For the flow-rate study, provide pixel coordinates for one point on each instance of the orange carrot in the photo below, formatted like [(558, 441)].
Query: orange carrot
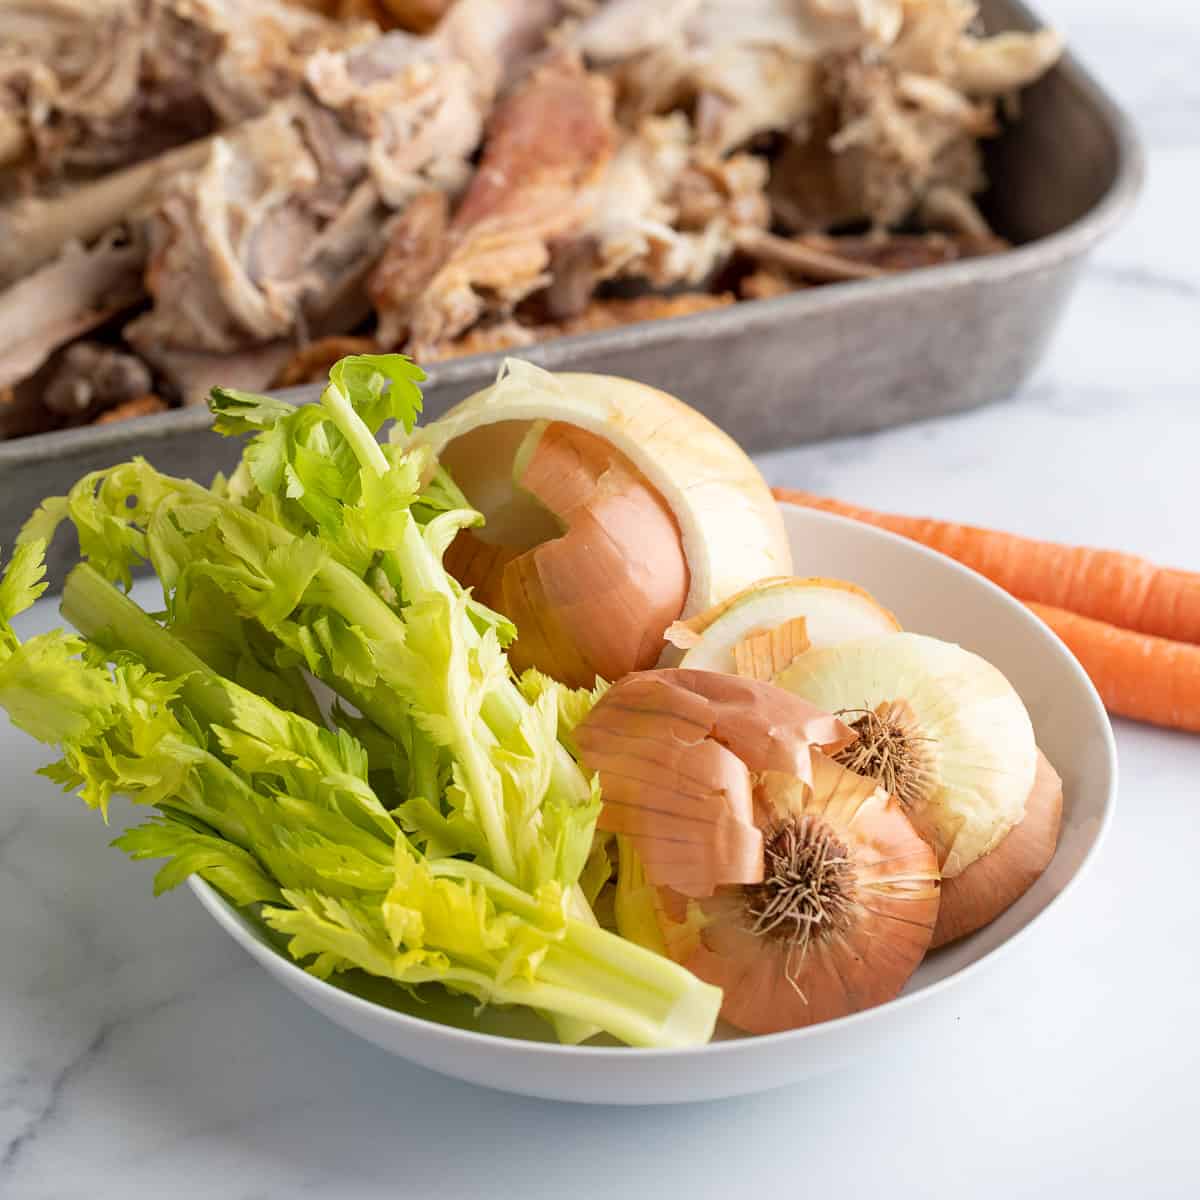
[(1139, 676), (1120, 589)]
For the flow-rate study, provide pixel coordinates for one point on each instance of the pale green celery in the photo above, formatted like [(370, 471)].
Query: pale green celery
[(110, 619), (428, 664), (338, 588), (361, 440), (423, 573), (601, 980), (589, 977), (268, 828), (356, 405)]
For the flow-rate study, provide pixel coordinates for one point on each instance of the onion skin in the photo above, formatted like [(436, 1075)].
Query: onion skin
[(678, 752), (1001, 877), (595, 601), (479, 565), (731, 527), (617, 578), (764, 654)]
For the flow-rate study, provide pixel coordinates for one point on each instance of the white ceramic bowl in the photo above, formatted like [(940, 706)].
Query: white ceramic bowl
[(929, 594)]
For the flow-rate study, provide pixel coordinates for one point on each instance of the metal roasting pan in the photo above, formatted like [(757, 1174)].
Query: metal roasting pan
[(838, 359)]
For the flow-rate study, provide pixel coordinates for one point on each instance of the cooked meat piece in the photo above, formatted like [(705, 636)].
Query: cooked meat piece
[(766, 283), (91, 377), (273, 237), (498, 38), (941, 39), (312, 362), (73, 82), (547, 145), (35, 229), (609, 314), (22, 412), (221, 236), (908, 251), (218, 58), (899, 134), (87, 85), (892, 148), (807, 190), (600, 314), (573, 278), (418, 244), (408, 110), (507, 334), (823, 259), (667, 210), (139, 406), (746, 66), (419, 16), (800, 256), (194, 373), (952, 211), (411, 122), (1001, 64), (77, 293), (253, 245)]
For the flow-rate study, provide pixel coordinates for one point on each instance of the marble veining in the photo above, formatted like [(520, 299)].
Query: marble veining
[(142, 1055)]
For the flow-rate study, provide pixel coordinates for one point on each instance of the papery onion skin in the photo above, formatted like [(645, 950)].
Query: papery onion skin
[(1001, 877), (767, 988), (480, 566), (678, 754), (594, 601), (612, 583), (764, 654), (731, 527)]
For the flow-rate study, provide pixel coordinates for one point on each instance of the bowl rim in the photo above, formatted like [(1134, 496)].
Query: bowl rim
[(228, 917)]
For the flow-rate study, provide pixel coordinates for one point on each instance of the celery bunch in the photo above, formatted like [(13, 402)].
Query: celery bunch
[(429, 826)]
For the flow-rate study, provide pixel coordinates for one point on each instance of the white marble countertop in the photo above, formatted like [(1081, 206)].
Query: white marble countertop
[(142, 1054)]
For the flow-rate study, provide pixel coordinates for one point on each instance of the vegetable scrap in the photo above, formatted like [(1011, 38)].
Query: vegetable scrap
[(525, 704), (802, 890)]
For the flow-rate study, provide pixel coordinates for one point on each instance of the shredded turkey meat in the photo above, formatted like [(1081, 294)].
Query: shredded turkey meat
[(67, 299), (547, 145), (273, 237), (313, 362), (898, 132), (746, 66), (667, 211), (211, 189), (817, 258), (86, 85), (598, 315), (419, 16)]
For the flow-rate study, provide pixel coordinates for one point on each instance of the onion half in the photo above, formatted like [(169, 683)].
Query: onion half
[(832, 611), (841, 921), (605, 500), (1002, 876), (800, 888), (967, 743)]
